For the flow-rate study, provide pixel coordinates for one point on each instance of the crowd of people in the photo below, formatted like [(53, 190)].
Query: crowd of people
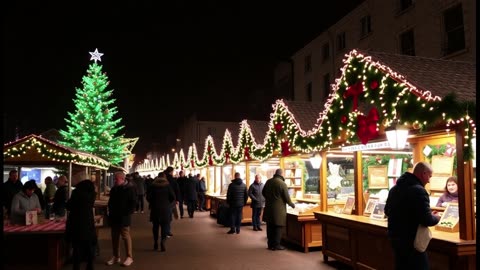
[(407, 206)]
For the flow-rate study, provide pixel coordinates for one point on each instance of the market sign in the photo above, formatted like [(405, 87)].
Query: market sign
[(368, 146)]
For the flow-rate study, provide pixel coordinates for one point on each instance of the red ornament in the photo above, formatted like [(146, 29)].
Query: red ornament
[(210, 161), (227, 157), (285, 148), (192, 163), (354, 91), (278, 127), (344, 119), (367, 126), (373, 85), (246, 153)]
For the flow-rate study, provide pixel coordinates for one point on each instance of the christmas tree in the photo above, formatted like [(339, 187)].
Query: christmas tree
[(92, 127)]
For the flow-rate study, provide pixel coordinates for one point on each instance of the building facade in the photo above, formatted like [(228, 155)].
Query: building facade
[(442, 29)]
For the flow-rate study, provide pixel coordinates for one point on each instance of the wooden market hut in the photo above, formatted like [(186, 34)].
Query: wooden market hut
[(34, 150)]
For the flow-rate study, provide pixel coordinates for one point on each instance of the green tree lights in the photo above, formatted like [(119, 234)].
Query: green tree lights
[(92, 127)]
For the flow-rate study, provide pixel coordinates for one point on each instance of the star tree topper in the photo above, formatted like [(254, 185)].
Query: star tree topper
[(96, 56)]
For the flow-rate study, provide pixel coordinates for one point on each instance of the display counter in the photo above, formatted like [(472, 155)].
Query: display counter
[(216, 201), (303, 230), (358, 241), (43, 243)]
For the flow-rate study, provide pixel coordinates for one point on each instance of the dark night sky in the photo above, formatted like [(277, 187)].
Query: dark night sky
[(163, 62)]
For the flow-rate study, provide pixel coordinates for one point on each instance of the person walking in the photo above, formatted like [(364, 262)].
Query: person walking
[(407, 206), (191, 195), (80, 227), (121, 205), (173, 183), (160, 197), (237, 197), (140, 191), (181, 180), (258, 202), (276, 196)]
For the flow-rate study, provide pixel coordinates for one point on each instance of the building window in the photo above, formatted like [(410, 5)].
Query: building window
[(308, 63), (326, 85), (454, 32), (404, 4), (407, 43), (308, 88), (341, 41), (326, 52), (366, 25)]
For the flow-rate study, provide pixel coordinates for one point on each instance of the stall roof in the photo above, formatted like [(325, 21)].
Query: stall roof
[(259, 130), (306, 113), (36, 150), (440, 77)]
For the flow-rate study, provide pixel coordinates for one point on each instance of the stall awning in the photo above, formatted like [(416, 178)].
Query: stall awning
[(36, 150)]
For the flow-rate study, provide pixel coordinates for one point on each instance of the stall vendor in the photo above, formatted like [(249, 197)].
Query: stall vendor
[(450, 194), (23, 201)]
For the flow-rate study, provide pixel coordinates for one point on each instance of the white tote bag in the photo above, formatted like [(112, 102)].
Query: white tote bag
[(422, 238)]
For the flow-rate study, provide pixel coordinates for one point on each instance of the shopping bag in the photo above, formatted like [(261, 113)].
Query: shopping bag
[(423, 237), (175, 211)]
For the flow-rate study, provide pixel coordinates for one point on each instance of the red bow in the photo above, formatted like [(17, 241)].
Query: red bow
[(285, 148), (354, 90), (247, 153), (278, 127), (210, 161), (367, 126)]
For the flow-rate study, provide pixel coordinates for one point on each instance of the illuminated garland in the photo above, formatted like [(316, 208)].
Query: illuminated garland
[(35, 143), (367, 96)]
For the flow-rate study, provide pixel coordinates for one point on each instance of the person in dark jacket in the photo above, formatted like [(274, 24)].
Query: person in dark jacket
[(80, 227), (160, 196), (191, 195), (181, 180), (276, 196), (121, 205), (258, 202), (237, 197), (10, 188), (408, 205), (61, 196), (202, 188)]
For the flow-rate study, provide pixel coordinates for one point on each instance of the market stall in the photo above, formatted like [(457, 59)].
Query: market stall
[(37, 152), (375, 93)]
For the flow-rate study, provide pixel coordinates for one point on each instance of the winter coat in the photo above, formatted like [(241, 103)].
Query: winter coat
[(80, 225), (160, 196), (191, 189), (21, 203), (121, 205), (49, 192), (202, 188), (60, 201), (255, 194), (139, 185), (237, 194), (181, 181), (276, 196), (408, 205), (10, 189), (173, 183)]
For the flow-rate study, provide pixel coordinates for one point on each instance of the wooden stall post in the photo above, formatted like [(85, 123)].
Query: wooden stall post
[(358, 182)]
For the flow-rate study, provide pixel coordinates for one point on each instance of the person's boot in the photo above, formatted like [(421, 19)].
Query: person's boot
[(155, 245), (162, 245)]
